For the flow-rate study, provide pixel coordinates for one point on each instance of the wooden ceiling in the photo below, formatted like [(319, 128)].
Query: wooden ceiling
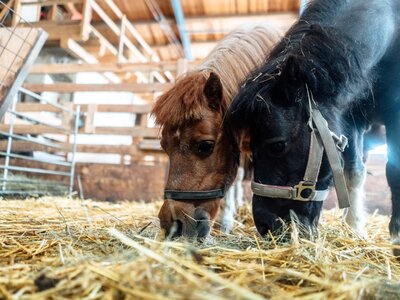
[(207, 21), (144, 31)]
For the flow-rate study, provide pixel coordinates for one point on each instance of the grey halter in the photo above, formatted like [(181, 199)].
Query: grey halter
[(321, 138)]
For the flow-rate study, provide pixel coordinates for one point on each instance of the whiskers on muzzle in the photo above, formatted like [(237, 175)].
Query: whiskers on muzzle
[(196, 227)]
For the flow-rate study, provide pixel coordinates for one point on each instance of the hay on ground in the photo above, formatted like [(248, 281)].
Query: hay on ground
[(57, 248)]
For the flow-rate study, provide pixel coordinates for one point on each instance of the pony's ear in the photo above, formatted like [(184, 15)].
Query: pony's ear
[(213, 91), (291, 71), (285, 89)]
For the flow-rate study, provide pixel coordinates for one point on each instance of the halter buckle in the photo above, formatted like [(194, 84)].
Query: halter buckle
[(302, 186), (340, 141)]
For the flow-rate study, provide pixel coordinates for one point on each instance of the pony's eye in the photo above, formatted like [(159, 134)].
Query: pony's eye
[(205, 148), (277, 148)]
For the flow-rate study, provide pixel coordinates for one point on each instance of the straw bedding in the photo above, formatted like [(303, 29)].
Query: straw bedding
[(57, 248)]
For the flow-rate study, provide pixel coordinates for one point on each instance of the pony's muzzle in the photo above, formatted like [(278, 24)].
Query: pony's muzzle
[(184, 220)]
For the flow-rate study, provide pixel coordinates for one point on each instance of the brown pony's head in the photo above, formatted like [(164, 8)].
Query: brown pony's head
[(201, 156)]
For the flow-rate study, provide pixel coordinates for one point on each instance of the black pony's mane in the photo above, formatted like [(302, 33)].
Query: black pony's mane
[(312, 53)]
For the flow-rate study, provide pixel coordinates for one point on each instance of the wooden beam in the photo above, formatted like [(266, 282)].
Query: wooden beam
[(58, 30), (23, 146), (51, 2), (104, 108), (115, 9), (31, 129), (86, 19), (121, 40), (37, 107), (17, 13), (114, 27), (19, 146), (136, 131), (140, 88), (78, 51), (106, 67)]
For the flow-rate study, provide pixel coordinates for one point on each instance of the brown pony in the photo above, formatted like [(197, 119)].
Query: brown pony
[(203, 161)]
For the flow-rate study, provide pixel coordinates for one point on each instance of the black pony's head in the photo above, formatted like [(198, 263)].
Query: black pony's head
[(273, 105)]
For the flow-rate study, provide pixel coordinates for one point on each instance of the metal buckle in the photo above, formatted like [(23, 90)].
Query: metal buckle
[(340, 141), (302, 186)]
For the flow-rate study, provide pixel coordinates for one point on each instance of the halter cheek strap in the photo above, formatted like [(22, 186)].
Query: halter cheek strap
[(194, 195), (321, 137)]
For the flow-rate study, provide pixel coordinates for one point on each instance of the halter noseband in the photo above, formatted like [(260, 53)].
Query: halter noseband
[(321, 137), (194, 195)]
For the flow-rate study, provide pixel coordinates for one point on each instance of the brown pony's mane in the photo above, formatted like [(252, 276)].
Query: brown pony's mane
[(232, 60)]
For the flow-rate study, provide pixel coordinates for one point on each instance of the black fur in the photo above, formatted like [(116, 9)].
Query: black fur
[(347, 54)]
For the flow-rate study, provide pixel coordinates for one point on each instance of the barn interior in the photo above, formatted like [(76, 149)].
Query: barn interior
[(84, 173)]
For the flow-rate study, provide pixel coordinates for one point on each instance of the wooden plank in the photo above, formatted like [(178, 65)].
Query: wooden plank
[(104, 41), (17, 12), (121, 40), (31, 129), (36, 107), (21, 146), (136, 131), (114, 27), (89, 120), (107, 67), (111, 108), (58, 30), (77, 50), (86, 19), (115, 9), (121, 87), (150, 145), (51, 2)]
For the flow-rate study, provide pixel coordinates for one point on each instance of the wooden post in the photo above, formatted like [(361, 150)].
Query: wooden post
[(66, 118), (53, 12), (17, 12), (89, 120), (86, 19), (121, 40)]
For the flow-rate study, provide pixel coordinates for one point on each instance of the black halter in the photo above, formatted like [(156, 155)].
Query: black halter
[(194, 195)]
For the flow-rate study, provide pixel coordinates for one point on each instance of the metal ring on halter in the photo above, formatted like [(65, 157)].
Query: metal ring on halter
[(194, 195)]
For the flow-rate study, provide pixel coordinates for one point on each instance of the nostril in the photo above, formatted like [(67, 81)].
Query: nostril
[(202, 222), (176, 229)]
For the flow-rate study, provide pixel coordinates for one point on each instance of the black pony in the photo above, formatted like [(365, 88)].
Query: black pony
[(342, 60)]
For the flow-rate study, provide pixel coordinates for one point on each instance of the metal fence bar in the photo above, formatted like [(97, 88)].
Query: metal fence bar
[(71, 178), (51, 162), (9, 143), (38, 182), (27, 193), (30, 139), (15, 70), (35, 121), (43, 100), (36, 170)]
